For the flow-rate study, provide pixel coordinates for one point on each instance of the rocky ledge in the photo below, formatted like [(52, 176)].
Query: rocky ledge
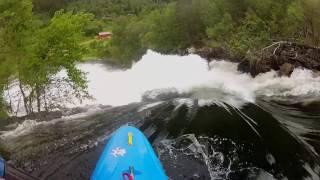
[(280, 56), (283, 57)]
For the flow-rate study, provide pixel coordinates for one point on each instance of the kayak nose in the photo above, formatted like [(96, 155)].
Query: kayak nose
[(128, 147)]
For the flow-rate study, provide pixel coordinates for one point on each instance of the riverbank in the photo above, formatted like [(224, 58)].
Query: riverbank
[(280, 56)]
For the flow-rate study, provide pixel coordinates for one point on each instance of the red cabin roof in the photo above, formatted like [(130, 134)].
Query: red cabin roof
[(105, 34)]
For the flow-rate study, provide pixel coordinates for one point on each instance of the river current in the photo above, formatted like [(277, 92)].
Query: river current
[(205, 121)]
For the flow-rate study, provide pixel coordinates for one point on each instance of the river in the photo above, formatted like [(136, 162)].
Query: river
[(205, 121)]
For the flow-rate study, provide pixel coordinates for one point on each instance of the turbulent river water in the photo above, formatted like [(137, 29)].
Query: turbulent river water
[(205, 121)]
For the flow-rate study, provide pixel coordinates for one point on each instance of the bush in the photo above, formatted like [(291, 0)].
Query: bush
[(93, 28), (253, 34), (223, 30), (3, 108), (126, 44)]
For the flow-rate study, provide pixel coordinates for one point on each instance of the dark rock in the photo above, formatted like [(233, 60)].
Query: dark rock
[(286, 69), (245, 67), (316, 73), (280, 56), (285, 56)]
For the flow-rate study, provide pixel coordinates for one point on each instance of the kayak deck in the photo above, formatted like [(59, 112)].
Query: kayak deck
[(128, 152)]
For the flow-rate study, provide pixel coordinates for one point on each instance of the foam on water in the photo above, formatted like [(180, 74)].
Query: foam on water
[(302, 82), (186, 74), (218, 81), (28, 125), (148, 106), (196, 151), (21, 129)]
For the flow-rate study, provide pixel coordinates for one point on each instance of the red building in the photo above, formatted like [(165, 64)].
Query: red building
[(104, 35)]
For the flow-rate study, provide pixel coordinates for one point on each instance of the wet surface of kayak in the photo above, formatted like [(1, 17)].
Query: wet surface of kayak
[(128, 154)]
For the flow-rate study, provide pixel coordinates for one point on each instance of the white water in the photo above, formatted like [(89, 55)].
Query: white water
[(302, 82), (191, 74), (28, 125), (206, 150), (187, 74), (218, 82)]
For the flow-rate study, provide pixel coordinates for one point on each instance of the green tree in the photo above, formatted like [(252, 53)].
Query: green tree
[(177, 26), (312, 21), (252, 35), (170, 25), (57, 47), (236, 8), (16, 24), (33, 54), (292, 28), (189, 23), (126, 44), (50, 7), (223, 30), (15, 27), (163, 32), (3, 112), (211, 12)]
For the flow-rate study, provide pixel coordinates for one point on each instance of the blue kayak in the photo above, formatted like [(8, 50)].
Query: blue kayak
[(2, 167), (128, 156)]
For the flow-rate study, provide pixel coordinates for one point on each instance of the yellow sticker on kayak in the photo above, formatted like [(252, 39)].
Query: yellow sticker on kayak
[(130, 138)]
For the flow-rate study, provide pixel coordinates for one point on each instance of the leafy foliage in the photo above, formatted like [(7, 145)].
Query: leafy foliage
[(15, 26), (253, 30), (312, 21), (222, 30), (58, 46), (3, 113), (126, 44), (171, 25), (241, 26), (33, 54), (163, 31)]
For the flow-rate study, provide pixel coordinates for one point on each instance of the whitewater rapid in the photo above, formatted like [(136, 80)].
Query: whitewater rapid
[(219, 80), (172, 90), (215, 82)]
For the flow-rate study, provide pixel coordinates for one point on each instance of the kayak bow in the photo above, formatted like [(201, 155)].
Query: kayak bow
[(129, 156)]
